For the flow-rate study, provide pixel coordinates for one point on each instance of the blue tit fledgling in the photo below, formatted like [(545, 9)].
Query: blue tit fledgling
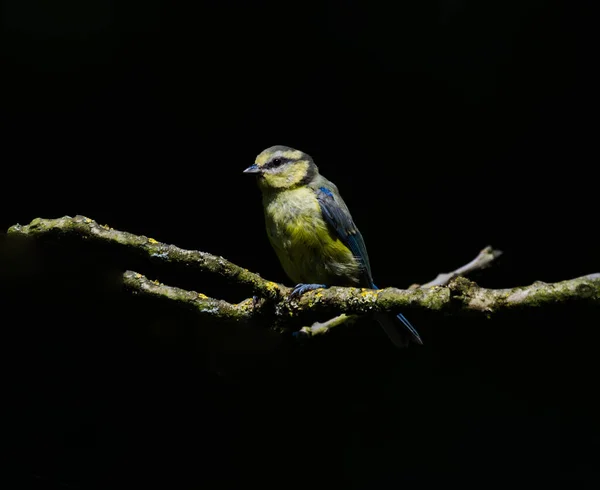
[(313, 233)]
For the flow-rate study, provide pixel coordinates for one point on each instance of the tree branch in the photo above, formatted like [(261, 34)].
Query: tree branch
[(85, 228), (202, 304), (460, 296), (484, 259)]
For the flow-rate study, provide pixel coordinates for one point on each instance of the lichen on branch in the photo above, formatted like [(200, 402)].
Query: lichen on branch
[(448, 293), (206, 307), (85, 228)]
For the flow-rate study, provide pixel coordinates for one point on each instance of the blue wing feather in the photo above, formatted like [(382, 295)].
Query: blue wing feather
[(338, 217)]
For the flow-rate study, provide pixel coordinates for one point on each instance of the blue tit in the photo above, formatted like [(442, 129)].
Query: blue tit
[(312, 231)]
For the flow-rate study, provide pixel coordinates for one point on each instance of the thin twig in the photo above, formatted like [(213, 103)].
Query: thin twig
[(483, 260)]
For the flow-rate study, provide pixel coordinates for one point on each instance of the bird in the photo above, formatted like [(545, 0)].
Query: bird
[(312, 231)]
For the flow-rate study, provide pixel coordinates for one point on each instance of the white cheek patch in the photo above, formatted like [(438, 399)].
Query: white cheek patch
[(277, 170)]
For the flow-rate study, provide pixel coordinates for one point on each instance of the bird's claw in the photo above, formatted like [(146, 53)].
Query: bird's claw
[(300, 289)]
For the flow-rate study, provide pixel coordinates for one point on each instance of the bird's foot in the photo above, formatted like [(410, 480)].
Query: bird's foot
[(300, 289)]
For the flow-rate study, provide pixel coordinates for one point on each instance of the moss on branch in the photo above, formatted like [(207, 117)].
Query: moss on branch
[(448, 293), (87, 229), (202, 304), (461, 296)]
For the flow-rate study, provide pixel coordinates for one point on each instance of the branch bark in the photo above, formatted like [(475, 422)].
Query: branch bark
[(448, 293), (87, 229), (484, 259)]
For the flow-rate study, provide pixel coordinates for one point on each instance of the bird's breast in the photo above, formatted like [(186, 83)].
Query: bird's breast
[(295, 217), (305, 245)]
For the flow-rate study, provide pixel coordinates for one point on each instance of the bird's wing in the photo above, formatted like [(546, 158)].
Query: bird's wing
[(336, 214)]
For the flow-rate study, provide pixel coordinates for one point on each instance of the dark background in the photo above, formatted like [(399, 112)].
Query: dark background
[(447, 125)]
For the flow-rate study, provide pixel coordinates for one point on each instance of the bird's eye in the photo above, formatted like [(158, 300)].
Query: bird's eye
[(276, 162)]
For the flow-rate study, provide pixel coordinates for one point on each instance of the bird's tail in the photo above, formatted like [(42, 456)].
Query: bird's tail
[(398, 328)]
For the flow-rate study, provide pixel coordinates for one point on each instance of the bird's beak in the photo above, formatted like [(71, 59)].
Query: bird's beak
[(252, 169)]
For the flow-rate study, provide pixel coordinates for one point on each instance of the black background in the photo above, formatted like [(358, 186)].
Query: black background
[(446, 125)]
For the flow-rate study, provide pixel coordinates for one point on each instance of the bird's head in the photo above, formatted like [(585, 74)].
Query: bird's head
[(280, 167)]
